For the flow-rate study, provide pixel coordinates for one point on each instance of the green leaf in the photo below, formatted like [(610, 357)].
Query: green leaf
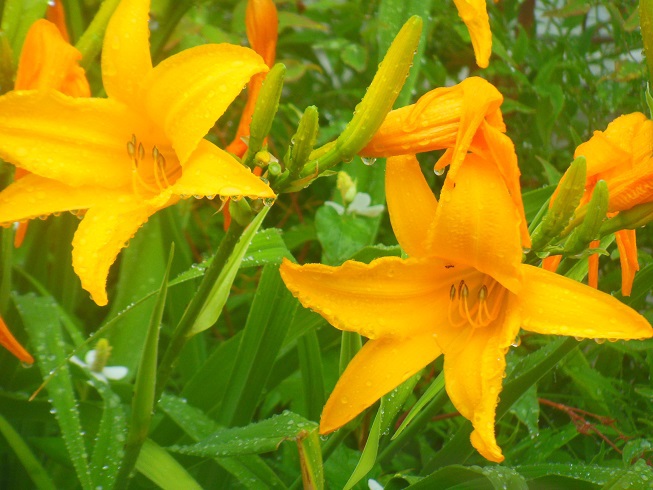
[(341, 236), (260, 437), (434, 389), (32, 466), (41, 320), (145, 383), (639, 475), (250, 470), (269, 317), (458, 476), (355, 56), (156, 464), (389, 408), (310, 460), (218, 295), (310, 364)]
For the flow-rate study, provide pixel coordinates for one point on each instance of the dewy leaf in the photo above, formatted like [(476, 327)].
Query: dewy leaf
[(269, 317), (156, 464), (310, 460), (41, 318), (250, 470), (458, 476), (261, 437), (220, 292)]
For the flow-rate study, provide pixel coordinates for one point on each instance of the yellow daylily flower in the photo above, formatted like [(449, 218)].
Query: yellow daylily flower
[(463, 292), (9, 342), (461, 119), (474, 15), (127, 156), (48, 61), (622, 156)]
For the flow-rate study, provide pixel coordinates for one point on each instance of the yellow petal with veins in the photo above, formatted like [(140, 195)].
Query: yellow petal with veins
[(474, 366), (411, 204), (211, 171), (554, 304), (379, 367), (79, 141), (104, 231), (126, 59), (34, 196), (189, 91), (474, 15), (388, 298), (478, 225)]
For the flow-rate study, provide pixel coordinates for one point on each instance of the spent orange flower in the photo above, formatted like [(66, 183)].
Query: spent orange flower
[(127, 156), (462, 292), (9, 342)]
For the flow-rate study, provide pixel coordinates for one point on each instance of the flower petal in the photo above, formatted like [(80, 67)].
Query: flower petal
[(411, 204), (9, 342), (478, 225), (126, 59), (99, 238), (189, 91), (47, 61), (390, 297), (79, 141), (474, 15), (33, 196), (554, 304), (474, 365), (211, 171), (627, 245), (379, 367)]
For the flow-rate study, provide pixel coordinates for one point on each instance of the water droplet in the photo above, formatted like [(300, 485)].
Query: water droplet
[(368, 160), (438, 171)]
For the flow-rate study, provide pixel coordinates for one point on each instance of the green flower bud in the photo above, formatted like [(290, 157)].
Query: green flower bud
[(589, 229), (570, 191)]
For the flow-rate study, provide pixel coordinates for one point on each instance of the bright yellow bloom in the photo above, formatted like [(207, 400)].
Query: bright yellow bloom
[(463, 292), (125, 157), (622, 155), (262, 24), (474, 15), (8, 341), (461, 119), (48, 61)]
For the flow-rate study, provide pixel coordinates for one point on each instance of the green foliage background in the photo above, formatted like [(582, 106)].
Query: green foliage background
[(566, 68)]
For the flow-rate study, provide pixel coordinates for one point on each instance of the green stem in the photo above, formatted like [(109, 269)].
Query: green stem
[(165, 30), (180, 335), (6, 253), (91, 41)]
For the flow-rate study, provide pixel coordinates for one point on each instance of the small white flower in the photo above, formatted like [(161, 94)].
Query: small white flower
[(374, 485), (107, 372), (360, 205)]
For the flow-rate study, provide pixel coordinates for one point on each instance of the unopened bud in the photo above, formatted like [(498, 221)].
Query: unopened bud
[(346, 186), (266, 108), (589, 229), (301, 144), (634, 218), (569, 192)]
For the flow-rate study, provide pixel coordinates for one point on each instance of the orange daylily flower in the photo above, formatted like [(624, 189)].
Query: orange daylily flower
[(622, 155), (461, 119), (8, 341), (261, 23), (463, 292), (474, 15), (127, 156), (48, 61)]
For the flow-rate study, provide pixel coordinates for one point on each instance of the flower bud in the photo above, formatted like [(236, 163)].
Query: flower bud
[(569, 192), (589, 229)]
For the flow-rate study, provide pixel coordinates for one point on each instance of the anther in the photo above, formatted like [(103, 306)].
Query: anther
[(141, 151), (482, 293), (131, 149), (452, 293), (464, 290)]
